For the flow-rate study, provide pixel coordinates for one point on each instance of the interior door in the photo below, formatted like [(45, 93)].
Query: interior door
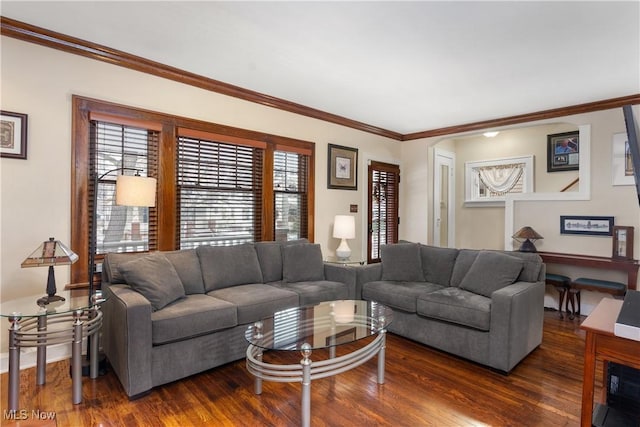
[(382, 212), (443, 199)]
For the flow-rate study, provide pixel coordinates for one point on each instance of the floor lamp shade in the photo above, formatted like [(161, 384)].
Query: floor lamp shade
[(134, 190), (344, 227)]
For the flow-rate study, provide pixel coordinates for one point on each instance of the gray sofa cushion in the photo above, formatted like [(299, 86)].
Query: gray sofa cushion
[(187, 265), (464, 260), (192, 316), (317, 291), (532, 265), (224, 266), (256, 301), (270, 258), (401, 262), (456, 305), (491, 271), (302, 263), (437, 263), (111, 265), (155, 278), (399, 295)]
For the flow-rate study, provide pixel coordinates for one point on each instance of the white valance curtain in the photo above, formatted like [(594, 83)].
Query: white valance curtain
[(501, 179)]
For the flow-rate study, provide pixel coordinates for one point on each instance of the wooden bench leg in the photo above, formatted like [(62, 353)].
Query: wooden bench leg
[(561, 293), (571, 298)]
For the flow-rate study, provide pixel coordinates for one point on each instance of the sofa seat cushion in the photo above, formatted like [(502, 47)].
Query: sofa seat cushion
[(458, 306), (194, 315), (399, 295), (314, 292), (256, 301)]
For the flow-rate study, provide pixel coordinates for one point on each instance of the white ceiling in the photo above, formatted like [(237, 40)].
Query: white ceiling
[(402, 66)]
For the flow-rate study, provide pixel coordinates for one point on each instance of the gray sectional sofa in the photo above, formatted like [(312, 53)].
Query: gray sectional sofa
[(485, 306), (169, 315)]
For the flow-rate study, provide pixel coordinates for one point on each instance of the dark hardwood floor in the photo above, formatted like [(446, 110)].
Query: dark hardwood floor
[(424, 387)]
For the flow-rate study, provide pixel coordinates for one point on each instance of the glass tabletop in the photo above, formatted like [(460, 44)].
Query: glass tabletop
[(322, 325), (28, 306)]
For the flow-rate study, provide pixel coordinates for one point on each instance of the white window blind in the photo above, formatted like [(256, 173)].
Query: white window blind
[(219, 192), (290, 186)]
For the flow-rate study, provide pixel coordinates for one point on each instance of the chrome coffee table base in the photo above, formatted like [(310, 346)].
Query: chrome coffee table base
[(308, 370)]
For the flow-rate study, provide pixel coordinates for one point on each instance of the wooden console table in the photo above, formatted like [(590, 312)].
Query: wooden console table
[(601, 343), (629, 267)]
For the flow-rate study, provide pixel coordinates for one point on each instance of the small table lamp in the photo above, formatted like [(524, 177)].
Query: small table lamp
[(527, 235), (48, 254), (344, 227)]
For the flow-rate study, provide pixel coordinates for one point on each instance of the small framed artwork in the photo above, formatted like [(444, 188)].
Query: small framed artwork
[(13, 135), (563, 151), (621, 162), (622, 242), (588, 225), (342, 168)]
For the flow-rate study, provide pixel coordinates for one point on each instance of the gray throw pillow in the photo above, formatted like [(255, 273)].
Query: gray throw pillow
[(155, 278), (224, 266), (491, 271), (302, 263), (401, 262)]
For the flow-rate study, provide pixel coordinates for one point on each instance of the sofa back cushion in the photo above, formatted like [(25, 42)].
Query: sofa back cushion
[(270, 259), (302, 263), (111, 266), (224, 266), (401, 262), (437, 264), (155, 278), (532, 265), (491, 271), (187, 265)]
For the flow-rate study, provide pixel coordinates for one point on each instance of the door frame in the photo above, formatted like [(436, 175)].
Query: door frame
[(440, 158)]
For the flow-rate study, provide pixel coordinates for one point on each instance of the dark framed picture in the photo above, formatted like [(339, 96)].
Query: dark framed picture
[(622, 242), (342, 167), (13, 135), (589, 225), (563, 151)]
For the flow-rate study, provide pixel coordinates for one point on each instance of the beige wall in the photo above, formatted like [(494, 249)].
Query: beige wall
[(35, 194)]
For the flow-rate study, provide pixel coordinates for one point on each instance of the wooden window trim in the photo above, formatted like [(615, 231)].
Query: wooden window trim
[(85, 109)]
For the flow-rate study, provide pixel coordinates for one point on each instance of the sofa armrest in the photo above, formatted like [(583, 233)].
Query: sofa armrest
[(126, 337), (367, 273), (517, 315), (343, 274)]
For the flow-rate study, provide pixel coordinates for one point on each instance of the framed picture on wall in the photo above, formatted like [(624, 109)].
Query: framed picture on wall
[(588, 225), (13, 135), (622, 242), (621, 164), (563, 151), (342, 168)]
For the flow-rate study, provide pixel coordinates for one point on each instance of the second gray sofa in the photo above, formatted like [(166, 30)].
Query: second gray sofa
[(485, 306)]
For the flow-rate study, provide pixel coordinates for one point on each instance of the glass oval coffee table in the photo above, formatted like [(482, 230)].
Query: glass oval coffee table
[(326, 325)]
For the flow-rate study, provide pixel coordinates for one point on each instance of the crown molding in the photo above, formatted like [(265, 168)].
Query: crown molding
[(30, 33)]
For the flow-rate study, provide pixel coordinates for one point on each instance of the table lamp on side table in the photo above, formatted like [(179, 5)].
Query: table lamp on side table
[(49, 254), (344, 227)]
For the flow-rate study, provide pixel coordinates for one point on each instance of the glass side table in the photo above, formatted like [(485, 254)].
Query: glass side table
[(341, 261), (59, 322)]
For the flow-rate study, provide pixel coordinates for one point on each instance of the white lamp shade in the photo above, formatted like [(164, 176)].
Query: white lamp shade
[(135, 191), (344, 227)]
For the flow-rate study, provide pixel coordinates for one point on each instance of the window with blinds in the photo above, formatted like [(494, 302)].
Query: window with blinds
[(290, 187), (219, 193), (117, 149), (384, 181)]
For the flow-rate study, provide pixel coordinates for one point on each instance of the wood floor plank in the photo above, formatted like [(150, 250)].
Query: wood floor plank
[(423, 387)]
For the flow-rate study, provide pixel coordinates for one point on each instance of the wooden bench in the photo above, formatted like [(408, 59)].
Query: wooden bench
[(616, 289), (562, 285)]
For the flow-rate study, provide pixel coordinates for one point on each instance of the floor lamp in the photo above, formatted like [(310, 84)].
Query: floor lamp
[(131, 190)]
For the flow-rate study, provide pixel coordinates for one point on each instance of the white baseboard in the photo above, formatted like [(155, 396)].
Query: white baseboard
[(28, 356)]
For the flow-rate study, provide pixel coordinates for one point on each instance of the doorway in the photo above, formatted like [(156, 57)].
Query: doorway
[(444, 230), (382, 211)]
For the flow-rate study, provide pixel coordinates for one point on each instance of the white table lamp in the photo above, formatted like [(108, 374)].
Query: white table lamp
[(344, 227)]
